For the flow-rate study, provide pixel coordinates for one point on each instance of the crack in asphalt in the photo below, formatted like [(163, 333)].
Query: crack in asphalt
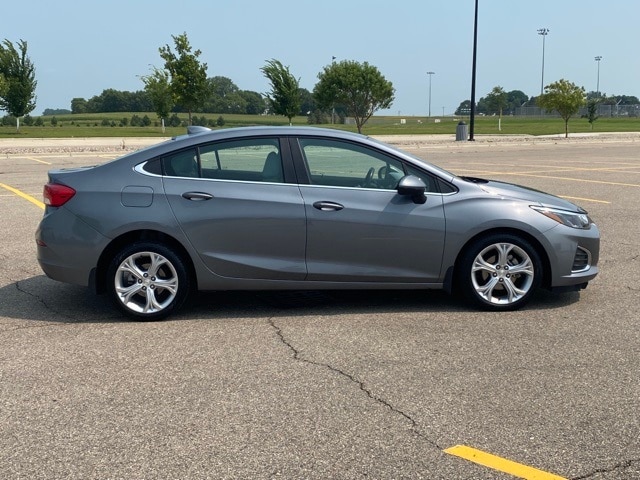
[(39, 299), (296, 356), (619, 466)]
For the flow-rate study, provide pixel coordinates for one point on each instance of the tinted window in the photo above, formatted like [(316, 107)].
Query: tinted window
[(182, 164), (153, 166), (255, 160), (342, 164)]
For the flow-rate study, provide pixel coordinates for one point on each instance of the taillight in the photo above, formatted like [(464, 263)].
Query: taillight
[(57, 195)]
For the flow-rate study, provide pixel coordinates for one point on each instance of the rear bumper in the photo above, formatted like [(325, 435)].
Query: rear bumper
[(67, 248)]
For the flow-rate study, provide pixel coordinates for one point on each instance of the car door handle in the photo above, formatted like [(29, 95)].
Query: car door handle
[(197, 196), (328, 206)]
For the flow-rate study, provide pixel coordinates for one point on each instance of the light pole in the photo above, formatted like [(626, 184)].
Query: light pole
[(472, 113), (430, 74), (544, 32), (598, 58), (333, 106)]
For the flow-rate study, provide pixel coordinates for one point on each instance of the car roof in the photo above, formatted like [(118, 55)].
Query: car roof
[(204, 133)]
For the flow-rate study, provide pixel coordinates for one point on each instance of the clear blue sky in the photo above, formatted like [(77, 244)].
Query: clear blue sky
[(80, 48)]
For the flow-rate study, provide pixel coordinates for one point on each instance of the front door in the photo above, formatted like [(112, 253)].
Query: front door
[(358, 228)]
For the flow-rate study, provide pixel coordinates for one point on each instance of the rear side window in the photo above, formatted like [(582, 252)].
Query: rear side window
[(182, 164), (254, 160)]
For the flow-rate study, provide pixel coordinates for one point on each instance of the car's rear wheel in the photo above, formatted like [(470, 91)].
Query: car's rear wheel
[(148, 281), (499, 272)]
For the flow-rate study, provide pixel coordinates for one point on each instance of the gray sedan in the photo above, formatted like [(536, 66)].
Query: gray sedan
[(267, 208)]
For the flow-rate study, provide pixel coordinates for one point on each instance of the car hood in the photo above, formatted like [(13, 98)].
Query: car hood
[(518, 192)]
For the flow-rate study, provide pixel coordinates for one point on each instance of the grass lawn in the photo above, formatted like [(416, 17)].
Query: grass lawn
[(90, 125)]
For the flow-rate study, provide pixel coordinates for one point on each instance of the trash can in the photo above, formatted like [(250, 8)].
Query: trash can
[(462, 132)]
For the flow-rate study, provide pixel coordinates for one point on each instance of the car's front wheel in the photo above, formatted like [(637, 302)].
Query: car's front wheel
[(148, 281), (499, 272)]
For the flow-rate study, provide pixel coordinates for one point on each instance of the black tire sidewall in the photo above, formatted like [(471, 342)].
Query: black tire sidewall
[(177, 263), (464, 280)]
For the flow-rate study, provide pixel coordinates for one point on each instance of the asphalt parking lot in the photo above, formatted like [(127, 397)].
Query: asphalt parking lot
[(381, 385)]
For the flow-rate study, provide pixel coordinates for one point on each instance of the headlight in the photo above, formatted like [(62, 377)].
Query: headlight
[(565, 217)]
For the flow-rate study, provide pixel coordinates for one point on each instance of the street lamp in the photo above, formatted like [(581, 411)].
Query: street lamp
[(430, 74), (598, 58), (544, 32), (333, 106), (472, 113)]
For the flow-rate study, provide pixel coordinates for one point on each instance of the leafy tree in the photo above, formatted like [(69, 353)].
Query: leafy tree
[(78, 105), (360, 87), (188, 77), (111, 100), (592, 111), (284, 97), (19, 80), (255, 103), (224, 97), (564, 97), (56, 111), (516, 99), (496, 101), (307, 103), (464, 108), (157, 87)]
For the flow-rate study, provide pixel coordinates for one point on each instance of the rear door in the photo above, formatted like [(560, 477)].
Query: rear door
[(358, 228), (237, 208)]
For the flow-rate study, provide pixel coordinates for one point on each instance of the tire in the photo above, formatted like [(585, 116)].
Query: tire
[(148, 281), (499, 272)]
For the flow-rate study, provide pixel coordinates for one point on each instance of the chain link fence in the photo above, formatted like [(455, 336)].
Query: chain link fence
[(604, 111)]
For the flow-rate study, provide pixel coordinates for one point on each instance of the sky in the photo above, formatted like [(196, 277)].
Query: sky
[(80, 47)]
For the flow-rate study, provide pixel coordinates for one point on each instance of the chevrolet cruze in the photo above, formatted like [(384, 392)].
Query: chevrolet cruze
[(265, 208)]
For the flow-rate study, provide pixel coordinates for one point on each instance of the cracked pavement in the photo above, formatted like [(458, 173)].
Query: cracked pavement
[(331, 384)]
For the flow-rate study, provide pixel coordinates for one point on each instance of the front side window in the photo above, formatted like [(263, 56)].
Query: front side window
[(254, 160), (342, 164)]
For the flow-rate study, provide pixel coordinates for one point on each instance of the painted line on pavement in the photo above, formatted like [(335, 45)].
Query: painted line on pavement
[(585, 199), (501, 464), (38, 160), (23, 195), (583, 180)]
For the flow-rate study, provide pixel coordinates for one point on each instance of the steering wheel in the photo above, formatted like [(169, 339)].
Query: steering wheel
[(369, 176)]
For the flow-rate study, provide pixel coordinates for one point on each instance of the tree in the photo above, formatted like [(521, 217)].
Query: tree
[(307, 104), (157, 87), (255, 104), (464, 108), (496, 101), (564, 97), (78, 105), (224, 97), (516, 99), (284, 97), (19, 80), (360, 87), (188, 77), (592, 111)]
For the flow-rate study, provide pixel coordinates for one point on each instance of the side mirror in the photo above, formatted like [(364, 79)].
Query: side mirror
[(412, 186)]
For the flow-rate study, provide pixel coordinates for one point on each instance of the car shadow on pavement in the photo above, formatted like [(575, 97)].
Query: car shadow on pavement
[(42, 299)]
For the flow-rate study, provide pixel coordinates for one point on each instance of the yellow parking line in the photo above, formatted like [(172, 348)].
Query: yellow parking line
[(23, 195), (501, 464), (519, 174), (584, 199)]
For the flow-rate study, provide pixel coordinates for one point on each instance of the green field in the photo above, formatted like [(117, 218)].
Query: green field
[(90, 125)]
